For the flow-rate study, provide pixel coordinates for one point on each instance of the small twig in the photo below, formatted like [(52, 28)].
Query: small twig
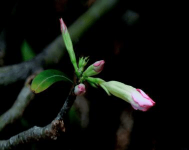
[(66, 107), (50, 131), (16, 111)]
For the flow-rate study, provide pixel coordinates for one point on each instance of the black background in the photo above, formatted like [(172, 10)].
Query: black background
[(140, 55)]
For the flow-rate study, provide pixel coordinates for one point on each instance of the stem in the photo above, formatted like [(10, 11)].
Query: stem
[(51, 131), (67, 105), (16, 111)]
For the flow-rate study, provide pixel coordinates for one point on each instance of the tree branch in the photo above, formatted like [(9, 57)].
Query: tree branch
[(24, 98), (50, 131), (66, 107), (2, 47), (55, 51), (34, 134), (50, 55)]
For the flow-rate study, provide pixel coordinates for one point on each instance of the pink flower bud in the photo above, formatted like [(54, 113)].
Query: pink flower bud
[(136, 97), (63, 27), (99, 65), (141, 100), (94, 69), (79, 89)]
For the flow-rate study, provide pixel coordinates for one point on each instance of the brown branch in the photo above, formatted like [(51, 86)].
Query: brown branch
[(24, 98), (50, 131), (55, 51), (50, 55), (124, 131), (34, 134)]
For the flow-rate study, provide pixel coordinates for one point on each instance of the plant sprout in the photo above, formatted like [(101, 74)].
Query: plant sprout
[(138, 99)]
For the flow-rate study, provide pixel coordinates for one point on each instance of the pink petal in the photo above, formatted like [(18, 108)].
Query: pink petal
[(98, 63), (145, 96), (142, 93), (62, 25), (79, 89), (143, 101), (139, 108)]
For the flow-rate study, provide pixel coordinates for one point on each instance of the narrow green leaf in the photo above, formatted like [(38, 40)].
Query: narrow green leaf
[(27, 52), (46, 78), (68, 43)]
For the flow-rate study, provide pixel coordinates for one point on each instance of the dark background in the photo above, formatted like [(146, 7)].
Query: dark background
[(136, 53)]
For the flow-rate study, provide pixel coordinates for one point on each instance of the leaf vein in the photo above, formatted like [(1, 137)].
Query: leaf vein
[(52, 77)]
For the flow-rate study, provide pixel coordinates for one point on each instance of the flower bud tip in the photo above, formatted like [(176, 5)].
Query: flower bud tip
[(99, 65), (79, 89), (63, 27)]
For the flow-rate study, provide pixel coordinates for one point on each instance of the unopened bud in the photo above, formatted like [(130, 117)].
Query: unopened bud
[(99, 65), (136, 97), (63, 27), (94, 69), (79, 89)]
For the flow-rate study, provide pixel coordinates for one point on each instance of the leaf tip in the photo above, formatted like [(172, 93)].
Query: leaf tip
[(63, 27)]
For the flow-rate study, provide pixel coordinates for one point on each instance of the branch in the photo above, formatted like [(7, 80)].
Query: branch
[(55, 51), (66, 107), (50, 55), (123, 133), (2, 47), (34, 134), (24, 98), (50, 131)]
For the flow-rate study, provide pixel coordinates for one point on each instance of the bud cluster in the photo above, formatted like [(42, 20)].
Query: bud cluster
[(136, 97)]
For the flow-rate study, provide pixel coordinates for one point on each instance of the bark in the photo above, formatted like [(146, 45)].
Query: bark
[(51, 131), (16, 111)]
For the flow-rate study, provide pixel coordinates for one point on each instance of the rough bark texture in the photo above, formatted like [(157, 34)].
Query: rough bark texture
[(50, 131), (24, 98), (66, 107), (51, 55)]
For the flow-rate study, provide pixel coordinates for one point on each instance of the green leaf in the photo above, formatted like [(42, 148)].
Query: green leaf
[(68, 43), (46, 78), (27, 52)]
